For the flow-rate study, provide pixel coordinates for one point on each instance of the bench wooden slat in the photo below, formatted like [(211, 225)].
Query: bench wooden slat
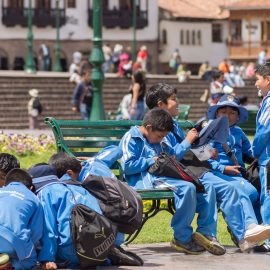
[(95, 124), (89, 132), (155, 194), (90, 144)]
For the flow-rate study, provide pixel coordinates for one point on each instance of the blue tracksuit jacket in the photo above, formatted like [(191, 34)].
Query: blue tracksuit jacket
[(261, 150), (261, 141), (138, 157), (100, 164), (58, 200), (21, 221), (239, 145)]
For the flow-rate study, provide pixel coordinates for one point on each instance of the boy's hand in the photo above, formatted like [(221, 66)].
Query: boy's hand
[(192, 135), (49, 266), (232, 170)]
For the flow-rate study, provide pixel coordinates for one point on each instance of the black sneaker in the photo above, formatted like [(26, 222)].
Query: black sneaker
[(189, 248), (211, 244), (262, 248), (119, 256)]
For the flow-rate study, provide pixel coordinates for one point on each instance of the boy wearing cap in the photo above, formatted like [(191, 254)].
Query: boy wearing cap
[(261, 141), (230, 155), (247, 232)]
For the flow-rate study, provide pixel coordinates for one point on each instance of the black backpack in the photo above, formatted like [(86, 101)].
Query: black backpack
[(93, 235), (119, 203)]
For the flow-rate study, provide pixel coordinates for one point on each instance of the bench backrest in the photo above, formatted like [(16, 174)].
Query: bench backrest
[(249, 127)]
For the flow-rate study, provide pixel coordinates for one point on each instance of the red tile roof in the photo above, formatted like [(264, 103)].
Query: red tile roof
[(249, 4), (209, 9)]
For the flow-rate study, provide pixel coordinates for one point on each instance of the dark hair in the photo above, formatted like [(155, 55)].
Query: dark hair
[(263, 70), (63, 162), (217, 74), (8, 162), (159, 120), (139, 77), (86, 67), (19, 175), (233, 108), (159, 92)]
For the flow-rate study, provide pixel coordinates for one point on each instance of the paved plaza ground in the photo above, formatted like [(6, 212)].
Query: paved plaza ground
[(162, 257)]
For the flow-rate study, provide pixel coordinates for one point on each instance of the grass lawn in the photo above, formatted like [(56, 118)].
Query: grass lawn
[(29, 160), (158, 229)]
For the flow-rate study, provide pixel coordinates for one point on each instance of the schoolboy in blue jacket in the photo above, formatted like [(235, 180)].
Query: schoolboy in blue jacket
[(57, 200), (247, 232), (261, 141), (21, 220), (141, 146), (70, 169)]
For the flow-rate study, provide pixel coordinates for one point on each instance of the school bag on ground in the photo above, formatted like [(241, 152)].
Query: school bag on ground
[(93, 235), (119, 203)]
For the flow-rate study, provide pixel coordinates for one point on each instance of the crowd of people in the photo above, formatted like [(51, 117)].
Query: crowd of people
[(34, 223)]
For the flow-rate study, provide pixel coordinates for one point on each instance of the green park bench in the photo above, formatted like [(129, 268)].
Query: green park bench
[(82, 138), (183, 111), (249, 127)]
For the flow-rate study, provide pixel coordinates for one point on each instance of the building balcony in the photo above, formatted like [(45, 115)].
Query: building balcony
[(40, 17), (246, 50), (119, 18)]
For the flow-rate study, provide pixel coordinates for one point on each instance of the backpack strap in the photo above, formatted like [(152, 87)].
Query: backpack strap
[(230, 154)]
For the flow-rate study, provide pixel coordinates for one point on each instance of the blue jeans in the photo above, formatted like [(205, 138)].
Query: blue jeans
[(85, 111), (139, 111)]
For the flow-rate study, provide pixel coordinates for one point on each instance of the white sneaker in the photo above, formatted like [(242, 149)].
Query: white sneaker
[(257, 234), (246, 246)]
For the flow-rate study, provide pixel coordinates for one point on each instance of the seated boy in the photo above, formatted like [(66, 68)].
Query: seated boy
[(141, 146), (21, 220), (239, 146), (7, 163), (247, 232)]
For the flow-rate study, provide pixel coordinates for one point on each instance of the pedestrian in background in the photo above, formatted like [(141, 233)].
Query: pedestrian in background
[(83, 94), (138, 88), (34, 109)]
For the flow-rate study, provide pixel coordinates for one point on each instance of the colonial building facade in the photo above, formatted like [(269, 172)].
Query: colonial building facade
[(202, 30), (76, 30)]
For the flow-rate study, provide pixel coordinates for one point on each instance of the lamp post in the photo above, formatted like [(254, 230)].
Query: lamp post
[(29, 66), (97, 58), (134, 22), (57, 47)]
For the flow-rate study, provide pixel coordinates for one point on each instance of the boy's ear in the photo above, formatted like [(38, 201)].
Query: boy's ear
[(160, 104), (72, 174), (268, 80), (148, 127)]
